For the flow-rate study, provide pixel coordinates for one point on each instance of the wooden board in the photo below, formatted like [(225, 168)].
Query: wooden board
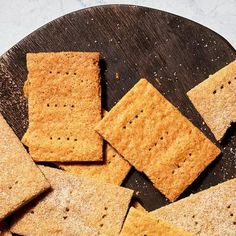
[(134, 42)]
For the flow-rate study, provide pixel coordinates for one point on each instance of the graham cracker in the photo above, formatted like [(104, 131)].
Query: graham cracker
[(150, 133), (215, 99), (113, 169), (64, 102), (210, 212), (139, 223), (4, 229), (77, 205), (20, 179)]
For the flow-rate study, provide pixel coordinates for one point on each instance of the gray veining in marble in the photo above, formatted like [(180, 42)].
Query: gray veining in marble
[(18, 18)]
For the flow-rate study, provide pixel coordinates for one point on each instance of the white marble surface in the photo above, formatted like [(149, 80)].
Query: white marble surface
[(18, 18)]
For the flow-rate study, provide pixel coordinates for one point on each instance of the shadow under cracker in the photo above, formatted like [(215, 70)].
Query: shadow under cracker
[(198, 182), (103, 68), (26, 208), (231, 131)]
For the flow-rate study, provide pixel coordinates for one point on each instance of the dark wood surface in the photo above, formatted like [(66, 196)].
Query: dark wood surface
[(173, 53)]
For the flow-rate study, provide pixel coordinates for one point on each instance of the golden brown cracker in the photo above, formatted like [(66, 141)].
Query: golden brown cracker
[(112, 170), (64, 104), (20, 179), (139, 223), (77, 205), (210, 212), (215, 99), (150, 133)]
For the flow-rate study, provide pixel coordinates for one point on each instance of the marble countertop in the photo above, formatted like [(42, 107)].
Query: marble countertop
[(19, 18)]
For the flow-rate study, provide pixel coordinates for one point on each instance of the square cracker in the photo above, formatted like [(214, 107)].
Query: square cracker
[(77, 205), (215, 99), (64, 104), (20, 179), (113, 169), (210, 212), (140, 223), (149, 132)]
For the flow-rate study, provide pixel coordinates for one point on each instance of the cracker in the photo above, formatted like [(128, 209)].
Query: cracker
[(150, 133), (139, 223), (20, 179), (64, 104), (210, 212), (215, 99), (4, 229), (77, 205), (112, 170)]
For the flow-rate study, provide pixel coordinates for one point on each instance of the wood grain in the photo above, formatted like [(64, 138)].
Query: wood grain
[(173, 53)]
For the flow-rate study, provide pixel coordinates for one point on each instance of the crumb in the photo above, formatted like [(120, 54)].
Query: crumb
[(157, 80), (117, 76)]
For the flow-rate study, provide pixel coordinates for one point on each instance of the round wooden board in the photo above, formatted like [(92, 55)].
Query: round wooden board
[(173, 53)]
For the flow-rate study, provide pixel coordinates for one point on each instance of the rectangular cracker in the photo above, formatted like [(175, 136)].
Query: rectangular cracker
[(150, 133), (113, 169), (77, 205), (210, 212), (64, 104), (215, 99), (139, 223), (20, 179)]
